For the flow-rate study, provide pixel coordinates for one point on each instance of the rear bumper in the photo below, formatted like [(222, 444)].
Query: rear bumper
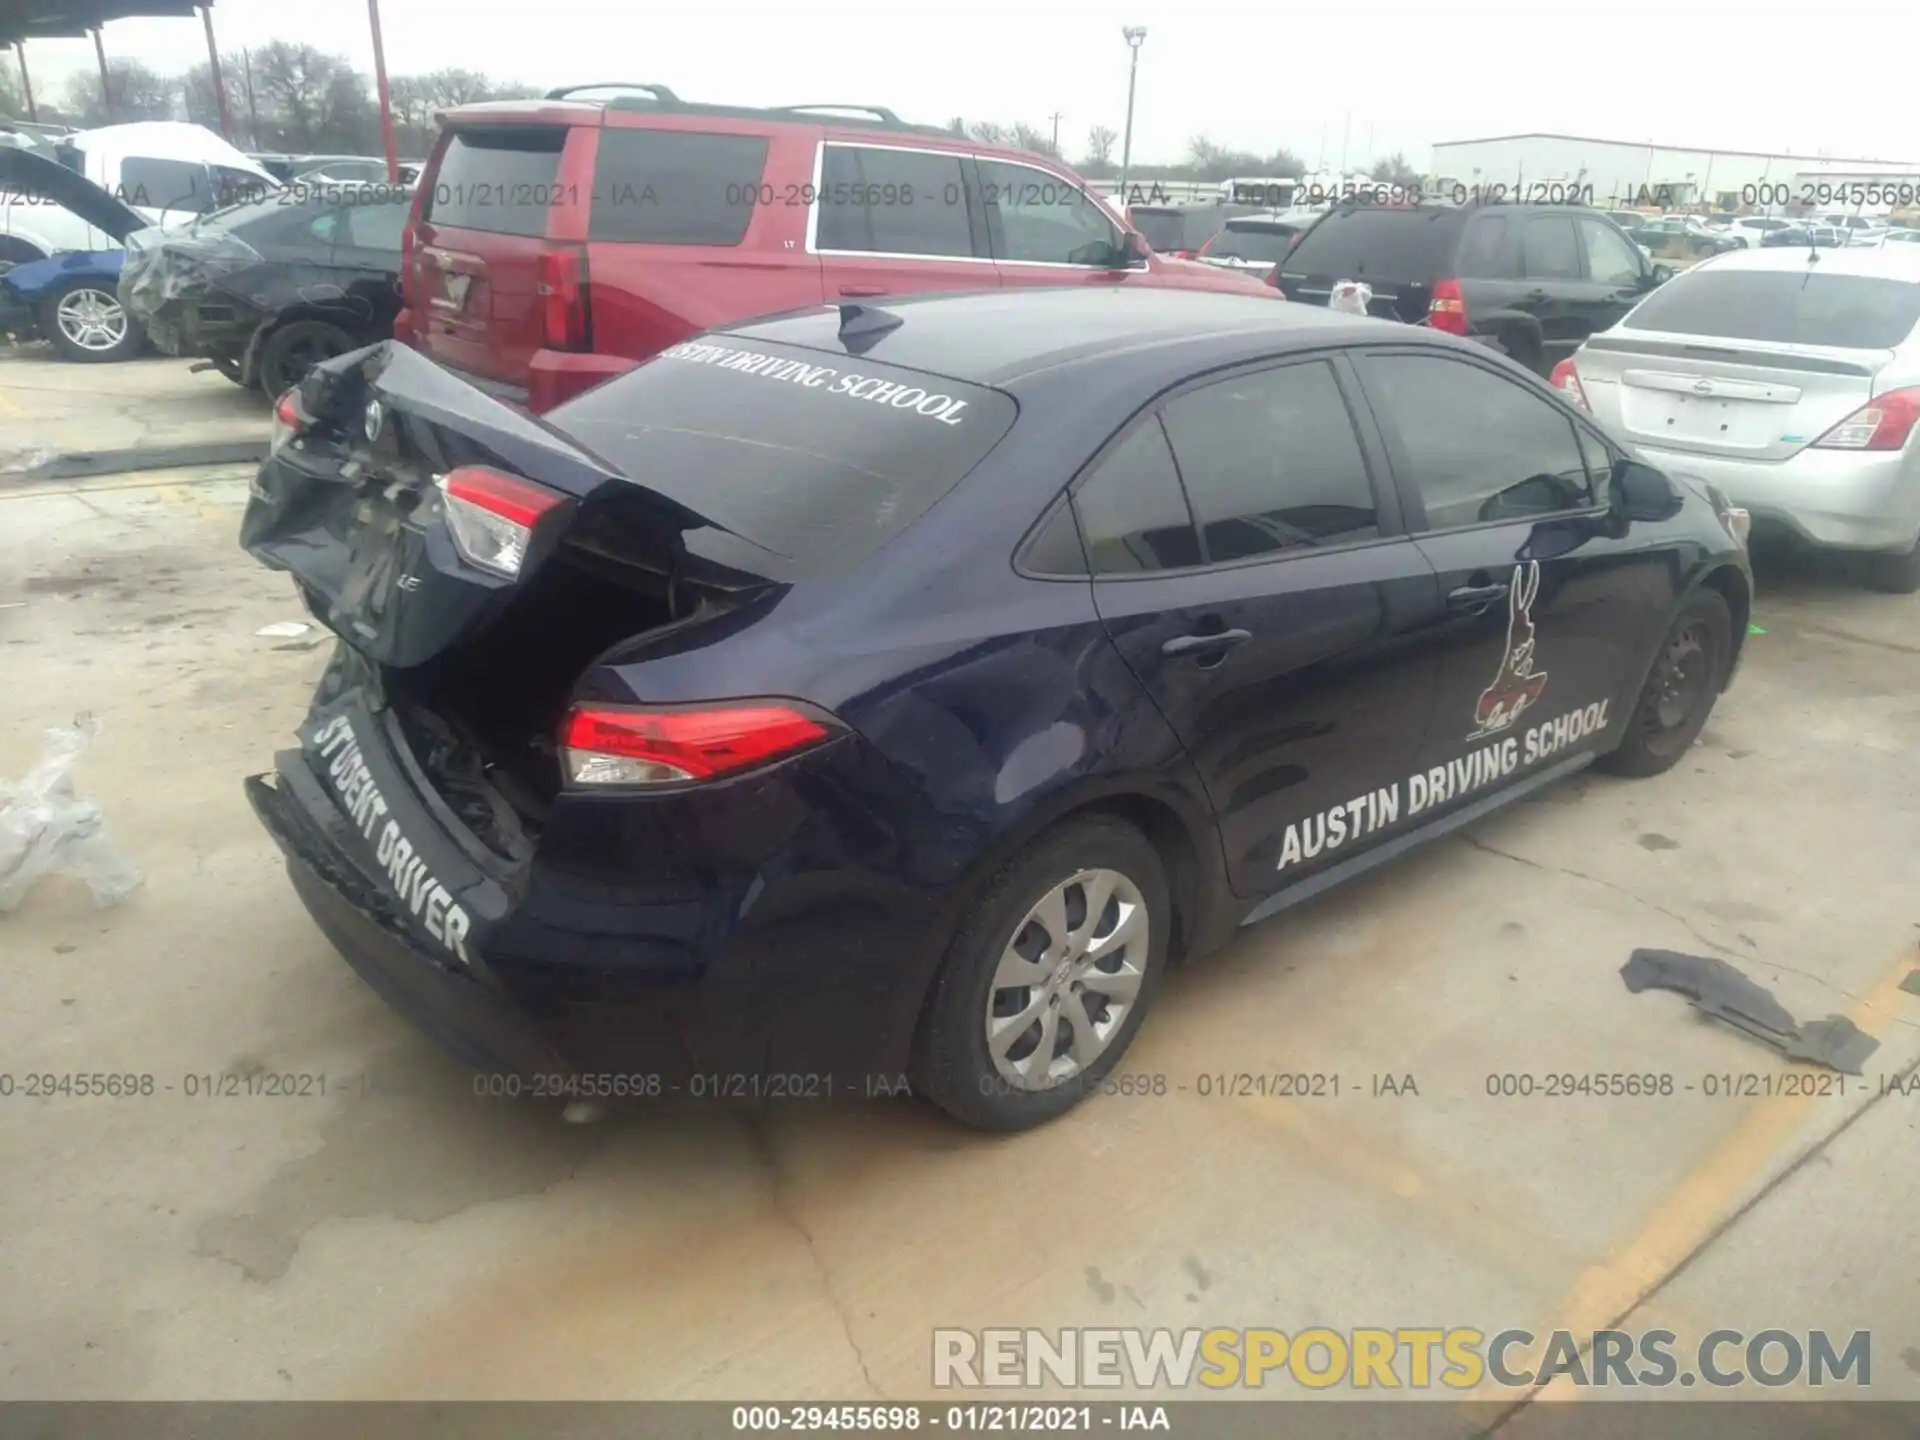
[(1842, 499)]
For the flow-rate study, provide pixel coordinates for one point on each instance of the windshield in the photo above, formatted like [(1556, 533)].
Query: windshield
[(1267, 246), (1859, 312)]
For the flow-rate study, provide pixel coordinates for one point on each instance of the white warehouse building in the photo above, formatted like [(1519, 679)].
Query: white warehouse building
[(1624, 175)]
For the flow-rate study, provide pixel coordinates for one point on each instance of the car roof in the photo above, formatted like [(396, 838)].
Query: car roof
[(996, 337), (1891, 264)]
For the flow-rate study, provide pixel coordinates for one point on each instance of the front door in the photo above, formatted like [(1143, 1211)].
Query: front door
[(1250, 567), (1548, 600)]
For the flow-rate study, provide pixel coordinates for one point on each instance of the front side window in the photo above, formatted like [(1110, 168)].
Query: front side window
[(1476, 447), (375, 226), (1610, 258), (893, 202), (1036, 216), (1271, 462)]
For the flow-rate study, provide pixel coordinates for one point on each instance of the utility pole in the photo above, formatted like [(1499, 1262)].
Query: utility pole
[(253, 111), (26, 82), (219, 80), (106, 85), (1134, 35), (1056, 117)]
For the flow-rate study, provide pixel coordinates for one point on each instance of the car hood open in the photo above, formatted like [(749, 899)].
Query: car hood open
[(26, 172)]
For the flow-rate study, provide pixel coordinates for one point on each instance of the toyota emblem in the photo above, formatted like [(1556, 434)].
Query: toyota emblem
[(376, 419), (1700, 387)]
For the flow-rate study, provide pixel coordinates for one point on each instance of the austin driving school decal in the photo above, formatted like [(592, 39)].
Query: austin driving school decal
[(1515, 689)]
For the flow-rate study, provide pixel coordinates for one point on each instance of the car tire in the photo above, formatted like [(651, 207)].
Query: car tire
[(295, 348), (1896, 572), (1681, 686), (1006, 931), (85, 321)]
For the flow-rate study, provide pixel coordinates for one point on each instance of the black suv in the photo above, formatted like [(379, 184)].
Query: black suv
[(1531, 280)]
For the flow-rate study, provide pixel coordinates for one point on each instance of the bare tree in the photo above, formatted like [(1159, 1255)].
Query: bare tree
[(1283, 164), (1032, 137), (1100, 142), (988, 132), (1394, 170), (310, 100), (13, 102), (139, 93), (958, 126), (202, 105)]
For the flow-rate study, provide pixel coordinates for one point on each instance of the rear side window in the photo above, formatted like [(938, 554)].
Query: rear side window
[(1476, 447), (893, 202), (1378, 244), (1132, 512), (1271, 463), (675, 187), (500, 180), (1484, 251), (1262, 245), (1799, 306), (374, 227), (819, 458), (1552, 248)]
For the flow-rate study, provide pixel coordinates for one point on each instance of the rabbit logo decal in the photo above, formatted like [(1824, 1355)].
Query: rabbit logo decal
[(1518, 685)]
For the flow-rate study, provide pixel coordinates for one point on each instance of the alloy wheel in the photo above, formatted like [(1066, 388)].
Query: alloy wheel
[(91, 319), (1067, 979)]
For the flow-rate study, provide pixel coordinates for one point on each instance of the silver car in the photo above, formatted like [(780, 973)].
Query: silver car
[(1791, 380)]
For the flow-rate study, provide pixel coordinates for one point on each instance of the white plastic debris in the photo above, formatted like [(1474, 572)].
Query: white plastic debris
[(283, 630), (46, 828), (1350, 297)]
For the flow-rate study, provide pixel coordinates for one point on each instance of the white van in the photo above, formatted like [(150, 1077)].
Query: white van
[(166, 170)]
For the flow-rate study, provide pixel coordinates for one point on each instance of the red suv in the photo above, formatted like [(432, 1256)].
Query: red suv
[(556, 242)]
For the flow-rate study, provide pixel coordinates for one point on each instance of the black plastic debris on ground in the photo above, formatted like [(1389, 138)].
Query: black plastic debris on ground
[(1912, 983), (1719, 990)]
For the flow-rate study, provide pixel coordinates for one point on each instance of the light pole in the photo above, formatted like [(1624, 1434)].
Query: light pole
[(1134, 35)]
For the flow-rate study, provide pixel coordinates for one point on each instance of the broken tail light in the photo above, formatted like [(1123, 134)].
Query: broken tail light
[(611, 745), (491, 516), (290, 421), (1883, 423)]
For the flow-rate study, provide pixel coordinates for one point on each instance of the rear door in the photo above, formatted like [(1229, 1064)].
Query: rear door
[(1249, 565), (898, 220), (486, 206), (1549, 607), (1615, 276), (1555, 292), (1398, 253), (1748, 364)]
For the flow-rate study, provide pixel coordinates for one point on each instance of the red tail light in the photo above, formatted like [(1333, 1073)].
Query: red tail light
[(1206, 247), (563, 292), (289, 421), (1566, 380), (1447, 310), (1883, 423), (613, 745), (491, 515)]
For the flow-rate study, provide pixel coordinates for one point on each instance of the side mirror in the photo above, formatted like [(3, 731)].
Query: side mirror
[(1640, 492), (1134, 250), (1659, 275)]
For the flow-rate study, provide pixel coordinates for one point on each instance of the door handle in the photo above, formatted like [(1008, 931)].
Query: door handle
[(1216, 642), (1535, 296), (863, 289), (1475, 598)]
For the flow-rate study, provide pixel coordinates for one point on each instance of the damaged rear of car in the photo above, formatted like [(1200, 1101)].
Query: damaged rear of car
[(267, 289), (563, 797)]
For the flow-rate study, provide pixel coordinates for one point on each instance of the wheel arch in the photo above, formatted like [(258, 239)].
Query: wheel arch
[(279, 320), (1737, 591)]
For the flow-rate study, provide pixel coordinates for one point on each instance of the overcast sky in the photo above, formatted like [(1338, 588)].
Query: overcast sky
[(1249, 76)]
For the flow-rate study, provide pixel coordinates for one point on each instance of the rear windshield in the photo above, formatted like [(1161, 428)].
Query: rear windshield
[(1412, 245), (1265, 246), (820, 458), (1164, 229), (500, 179), (1860, 312)]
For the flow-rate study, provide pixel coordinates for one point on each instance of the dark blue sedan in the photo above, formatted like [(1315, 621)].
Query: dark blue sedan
[(897, 690)]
